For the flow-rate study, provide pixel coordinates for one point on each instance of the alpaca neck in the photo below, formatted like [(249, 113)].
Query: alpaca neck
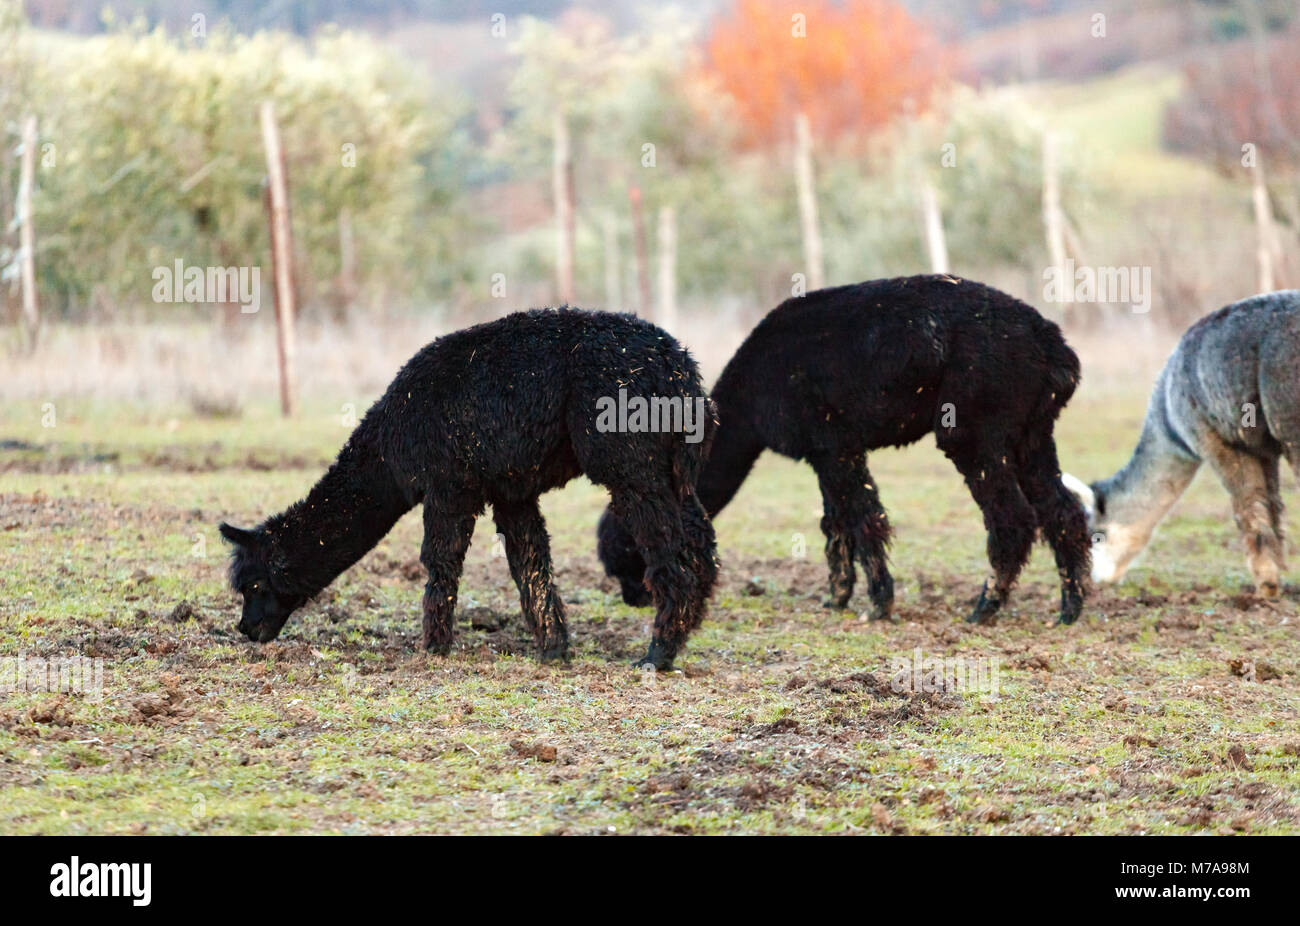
[(735, 447), (1148, 485), (345, 514)]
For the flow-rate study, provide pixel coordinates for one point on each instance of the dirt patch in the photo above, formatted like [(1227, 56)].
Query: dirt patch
[(542, 752)]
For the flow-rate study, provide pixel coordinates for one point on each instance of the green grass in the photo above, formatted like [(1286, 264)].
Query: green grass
[(1131, 721), (1116, 119)]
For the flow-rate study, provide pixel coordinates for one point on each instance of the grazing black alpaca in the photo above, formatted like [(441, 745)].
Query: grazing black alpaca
[(838, 372), (498, 414)]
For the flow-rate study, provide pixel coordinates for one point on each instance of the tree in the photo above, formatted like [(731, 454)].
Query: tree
[(551, 90), (632, 122), (1239, 112), (15, 79), (823, 72), (849, 67), (159, 156)]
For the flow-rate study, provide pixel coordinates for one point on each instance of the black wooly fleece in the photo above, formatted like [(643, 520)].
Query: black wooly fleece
[(496, 415), (838, 372)]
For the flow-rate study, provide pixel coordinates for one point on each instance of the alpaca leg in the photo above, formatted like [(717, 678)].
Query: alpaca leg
[(839, 559), (1008, 518), (1244, 476), (870, 538), (1291, 450), (446, 538), (617, 551), (1276, 507), (701, 547), (528, 551), (670, 569), (856, 527), (1063, 522)]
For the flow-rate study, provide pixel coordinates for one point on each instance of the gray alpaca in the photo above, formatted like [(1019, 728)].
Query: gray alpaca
[(1229, 396)]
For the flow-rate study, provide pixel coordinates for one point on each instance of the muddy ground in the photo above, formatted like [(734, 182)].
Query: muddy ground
[(1171, 707)]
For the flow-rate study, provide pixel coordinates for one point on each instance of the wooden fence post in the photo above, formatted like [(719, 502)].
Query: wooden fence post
[(613, 269), (1268, 246), (1055, 226), (640, 251), (666, 312), (807, 190), (27, 234), (935, 242), (565, 223), (281, 227), (347, 288)]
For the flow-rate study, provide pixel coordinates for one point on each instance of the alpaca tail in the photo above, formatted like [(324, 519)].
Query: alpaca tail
[(688, 458), (1063, 373)]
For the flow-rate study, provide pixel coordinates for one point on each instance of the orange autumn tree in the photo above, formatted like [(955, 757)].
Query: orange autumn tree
[(849, 67), (816, 69)]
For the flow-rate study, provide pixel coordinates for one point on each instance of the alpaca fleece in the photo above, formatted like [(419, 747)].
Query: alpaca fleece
[(831, 375), (496, 415), (1228, 396)]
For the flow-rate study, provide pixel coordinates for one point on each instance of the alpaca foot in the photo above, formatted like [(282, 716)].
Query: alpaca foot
[(839, 599), (840, 588), (1071, 607), (986, 608), (881, 593), (658, 656), (882, 613), (556, 652), (438, 632)]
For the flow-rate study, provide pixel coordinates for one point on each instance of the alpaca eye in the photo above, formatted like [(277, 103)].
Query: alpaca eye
[(1098, 537)]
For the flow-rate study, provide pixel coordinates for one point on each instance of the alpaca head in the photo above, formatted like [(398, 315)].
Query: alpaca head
[(265, 608), (622, 560), (1115, 543)]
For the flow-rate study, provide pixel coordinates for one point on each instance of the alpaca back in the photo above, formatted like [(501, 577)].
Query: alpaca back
[(514, 402), (1234, 374), (843, 371), (881, 359)]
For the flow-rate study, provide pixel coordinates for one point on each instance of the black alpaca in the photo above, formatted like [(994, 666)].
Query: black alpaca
[(498, 414), (838, 372)]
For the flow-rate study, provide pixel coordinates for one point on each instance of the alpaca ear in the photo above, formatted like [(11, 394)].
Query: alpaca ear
[(237, 535), (1082, 491)]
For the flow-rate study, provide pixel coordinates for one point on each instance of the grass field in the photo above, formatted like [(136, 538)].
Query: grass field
[(1145, 717)]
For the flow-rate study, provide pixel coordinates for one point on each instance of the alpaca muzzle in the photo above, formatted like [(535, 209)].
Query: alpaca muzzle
[(261, 625), (263, 632)]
